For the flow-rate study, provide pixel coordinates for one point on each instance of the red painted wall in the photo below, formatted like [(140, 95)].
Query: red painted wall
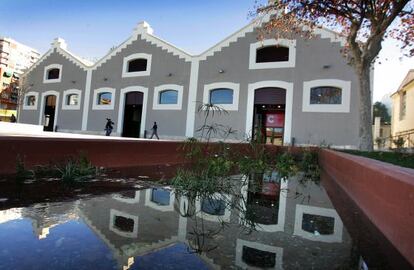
[(384, 192)]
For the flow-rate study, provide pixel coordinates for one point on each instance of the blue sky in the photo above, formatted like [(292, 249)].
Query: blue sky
[(91, 27)]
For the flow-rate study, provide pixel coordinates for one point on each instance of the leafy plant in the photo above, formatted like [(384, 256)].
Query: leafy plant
[(21, 172), (399, 143)]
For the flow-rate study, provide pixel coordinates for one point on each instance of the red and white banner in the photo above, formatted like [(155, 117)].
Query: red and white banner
[(275, 120)]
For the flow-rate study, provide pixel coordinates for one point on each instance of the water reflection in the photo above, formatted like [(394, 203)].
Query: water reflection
[(295, 227)]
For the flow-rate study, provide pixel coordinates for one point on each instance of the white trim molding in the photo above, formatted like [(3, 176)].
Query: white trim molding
[(128, 200), (30, 107), (252, 87), (291, 44), (127, 59), (96, 92), (336, 237), (278, 251), (49, 67), (113, 228), (344, 107), (228, 85), (121, 108), (157, 91), (66, 93), (215, 218), (280, 226), (156, 206), (42, 106), (192, 98)]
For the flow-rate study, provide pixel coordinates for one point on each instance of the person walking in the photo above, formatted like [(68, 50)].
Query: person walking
[(155, 131), (13, 118), (109, 127)]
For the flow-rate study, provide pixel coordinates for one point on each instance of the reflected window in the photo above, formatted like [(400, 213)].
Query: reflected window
[(137, 65), (168, 97), (221, 96), (72, 99), (31, 100), (104, 98), (325, 95), (160, 196), (53, 74), (213, 207), (124, 224), (319, 225), (262, 208), (258, 258), (272, 54)]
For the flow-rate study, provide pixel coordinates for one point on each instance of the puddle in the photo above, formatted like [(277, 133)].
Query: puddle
[(286, 225)]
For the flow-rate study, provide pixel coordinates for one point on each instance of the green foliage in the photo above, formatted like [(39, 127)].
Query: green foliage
[(286, 165), (73, 170), (21, 172), (396, 158), (399, 143), (77, 170), (380, 110), (309, 165)]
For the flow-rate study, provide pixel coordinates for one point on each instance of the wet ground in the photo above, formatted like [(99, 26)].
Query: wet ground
[(285, 225)]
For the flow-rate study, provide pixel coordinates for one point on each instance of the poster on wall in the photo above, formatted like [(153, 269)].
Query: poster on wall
[(275, 120)]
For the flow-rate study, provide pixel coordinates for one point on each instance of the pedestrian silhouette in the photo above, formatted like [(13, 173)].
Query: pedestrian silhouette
[(155, 131), (13, 118), (109, 127)]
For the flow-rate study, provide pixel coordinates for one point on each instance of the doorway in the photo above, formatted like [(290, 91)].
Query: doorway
[(269, 115), (132, 114), (49, 113)]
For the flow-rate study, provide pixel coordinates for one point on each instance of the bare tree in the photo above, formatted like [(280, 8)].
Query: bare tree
[(364, 24)]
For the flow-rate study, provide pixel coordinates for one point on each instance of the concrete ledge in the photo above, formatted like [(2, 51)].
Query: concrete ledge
[(105, 152), (384, 192), (20, 129)]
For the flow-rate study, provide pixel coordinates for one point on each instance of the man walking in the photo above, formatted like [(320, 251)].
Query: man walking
[(109, 127), (154, 131)]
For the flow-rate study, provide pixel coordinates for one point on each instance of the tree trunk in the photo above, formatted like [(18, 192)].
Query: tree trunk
[(365, 107)]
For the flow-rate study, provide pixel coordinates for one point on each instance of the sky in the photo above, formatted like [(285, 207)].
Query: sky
[(92, 27)]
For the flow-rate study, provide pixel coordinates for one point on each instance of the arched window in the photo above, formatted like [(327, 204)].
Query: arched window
[(53, 74), (221, 96), (124, 224), (168, 97), (272, 54), (104, 98), (31, 101), (137, 65), (72, 99), (325, 95)]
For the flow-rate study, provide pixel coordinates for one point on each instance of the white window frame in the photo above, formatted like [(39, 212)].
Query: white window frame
[(229, 85), (162, 208), (156, 105), (49, 67), (344, 107), (301, 209), (240, 243), (96, 93), (291, 44), (126, 74), (28, 107), (113, 213), (66, 93), (215, 218)]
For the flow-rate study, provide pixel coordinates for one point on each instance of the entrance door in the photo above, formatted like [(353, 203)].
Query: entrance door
[(49, 113), (269, 115), (132, 115)]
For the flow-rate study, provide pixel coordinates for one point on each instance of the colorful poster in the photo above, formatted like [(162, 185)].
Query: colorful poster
[(275, 120)]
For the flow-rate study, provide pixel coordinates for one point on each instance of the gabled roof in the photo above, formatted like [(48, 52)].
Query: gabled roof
[(407, 80), (144, 30)]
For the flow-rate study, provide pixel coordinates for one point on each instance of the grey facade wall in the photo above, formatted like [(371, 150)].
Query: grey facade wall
[(311, 56), (170, 122), (73, 77)]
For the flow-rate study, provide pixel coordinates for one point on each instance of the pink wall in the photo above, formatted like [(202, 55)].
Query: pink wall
[(384, 192)]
